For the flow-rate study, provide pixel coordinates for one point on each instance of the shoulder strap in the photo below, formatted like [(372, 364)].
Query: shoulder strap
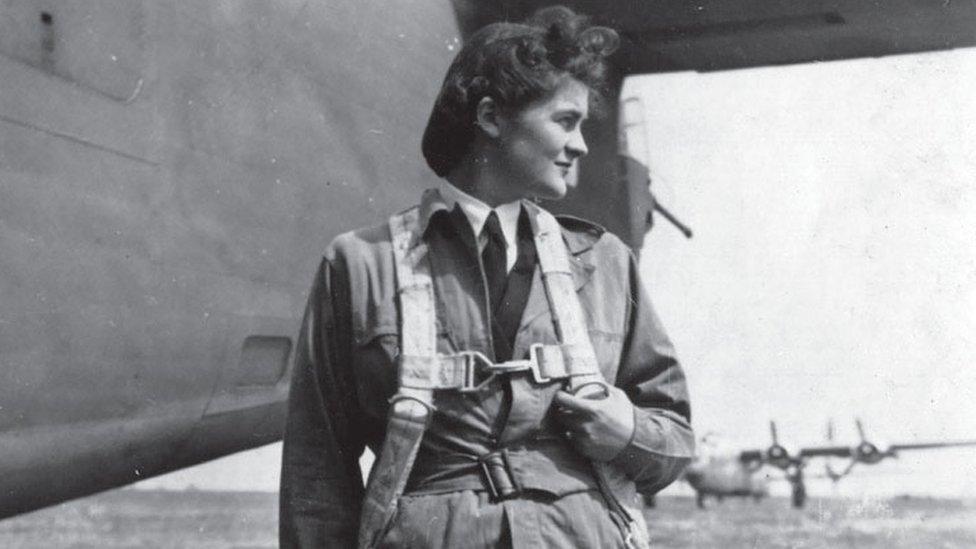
[(567, 313), (411, 407), (571, 328)]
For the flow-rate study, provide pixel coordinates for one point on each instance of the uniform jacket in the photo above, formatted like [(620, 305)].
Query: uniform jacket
[(345, 372)]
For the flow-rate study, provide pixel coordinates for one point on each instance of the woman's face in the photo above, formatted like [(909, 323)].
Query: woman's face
[(540, 143)]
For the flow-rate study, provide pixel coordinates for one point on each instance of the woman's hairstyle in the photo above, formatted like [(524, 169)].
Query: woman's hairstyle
[(514, 64)]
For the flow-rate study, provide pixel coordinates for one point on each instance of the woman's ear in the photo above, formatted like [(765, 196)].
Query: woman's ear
[(487, 117)]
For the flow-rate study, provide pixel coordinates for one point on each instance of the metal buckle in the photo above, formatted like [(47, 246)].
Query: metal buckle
[(498, 488), (470, 371), (535, 352), (472, 361)]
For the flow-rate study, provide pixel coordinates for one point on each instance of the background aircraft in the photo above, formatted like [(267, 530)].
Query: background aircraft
[(718, 474), (170, 172), (742, 474)]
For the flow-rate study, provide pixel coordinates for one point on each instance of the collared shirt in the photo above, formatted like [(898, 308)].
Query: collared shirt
[(477, 213)]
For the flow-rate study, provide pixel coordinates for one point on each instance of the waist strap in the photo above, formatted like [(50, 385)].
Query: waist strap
[(547, 465)]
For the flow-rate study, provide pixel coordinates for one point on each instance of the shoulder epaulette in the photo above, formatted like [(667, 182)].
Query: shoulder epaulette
[(578, 224), (580, 234)]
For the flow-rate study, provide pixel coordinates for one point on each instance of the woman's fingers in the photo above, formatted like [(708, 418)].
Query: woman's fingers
[(569, 402), (593, 390)]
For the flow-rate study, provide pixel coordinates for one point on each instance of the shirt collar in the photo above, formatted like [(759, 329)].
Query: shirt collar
[(477, 211), (578, 241)]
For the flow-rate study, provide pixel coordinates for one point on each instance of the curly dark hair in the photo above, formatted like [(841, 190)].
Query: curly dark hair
[(514, 64)]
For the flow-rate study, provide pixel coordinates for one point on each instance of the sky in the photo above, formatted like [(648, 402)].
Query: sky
[(833, 269)]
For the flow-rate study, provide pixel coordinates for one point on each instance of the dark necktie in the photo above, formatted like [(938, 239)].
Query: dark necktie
[(493, 259)]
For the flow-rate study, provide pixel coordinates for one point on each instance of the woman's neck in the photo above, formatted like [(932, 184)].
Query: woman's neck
[(478, 176)]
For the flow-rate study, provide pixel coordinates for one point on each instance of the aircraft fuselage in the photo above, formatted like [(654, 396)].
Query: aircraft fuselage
[(170, 173)]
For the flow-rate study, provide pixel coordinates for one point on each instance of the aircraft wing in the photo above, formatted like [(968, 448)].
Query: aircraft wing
[(755, 456), (709, 35), (827, 451), (931, 445), (849, 451), (752, 456)]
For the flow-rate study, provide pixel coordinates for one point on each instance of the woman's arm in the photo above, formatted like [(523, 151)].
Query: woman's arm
[(663, 442), (321, 483)]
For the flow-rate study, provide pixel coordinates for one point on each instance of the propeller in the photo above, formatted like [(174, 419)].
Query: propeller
[(777, 455), (831, 474), (865, 451)]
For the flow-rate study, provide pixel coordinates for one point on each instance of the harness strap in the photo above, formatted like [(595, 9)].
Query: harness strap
[(411, 407), (567, 313), (572, 332), (459, 371)]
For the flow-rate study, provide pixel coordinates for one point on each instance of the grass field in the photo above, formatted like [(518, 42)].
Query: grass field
[(899, 522), (197, 519), (149, 519)]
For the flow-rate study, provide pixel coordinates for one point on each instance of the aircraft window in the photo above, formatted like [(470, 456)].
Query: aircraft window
[(263, 360), (98, 44)]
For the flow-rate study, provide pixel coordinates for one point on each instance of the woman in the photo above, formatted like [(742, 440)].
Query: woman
[(533, 389)]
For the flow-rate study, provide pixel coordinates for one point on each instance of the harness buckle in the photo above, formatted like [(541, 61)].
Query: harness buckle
[(538, 357), (470, 363), (541, 363), (496, 472)]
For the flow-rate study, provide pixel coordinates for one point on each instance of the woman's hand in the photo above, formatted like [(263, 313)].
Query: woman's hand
[(599, 427)]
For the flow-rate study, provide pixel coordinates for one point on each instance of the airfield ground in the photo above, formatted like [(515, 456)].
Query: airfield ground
[(900, 522), (224, 520)]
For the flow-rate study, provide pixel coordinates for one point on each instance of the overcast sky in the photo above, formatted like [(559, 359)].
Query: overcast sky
[(833, 268)]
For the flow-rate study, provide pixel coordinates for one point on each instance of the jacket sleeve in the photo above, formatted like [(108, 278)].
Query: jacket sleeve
[(321, 484), (663, 442)]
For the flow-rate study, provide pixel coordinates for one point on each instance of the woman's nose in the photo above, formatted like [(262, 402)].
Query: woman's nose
[(576, 144)]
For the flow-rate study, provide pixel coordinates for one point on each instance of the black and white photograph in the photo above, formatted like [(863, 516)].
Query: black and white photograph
[(487, 274)]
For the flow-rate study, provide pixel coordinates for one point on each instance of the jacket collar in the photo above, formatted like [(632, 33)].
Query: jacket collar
[(578, 242), (431, 203)]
